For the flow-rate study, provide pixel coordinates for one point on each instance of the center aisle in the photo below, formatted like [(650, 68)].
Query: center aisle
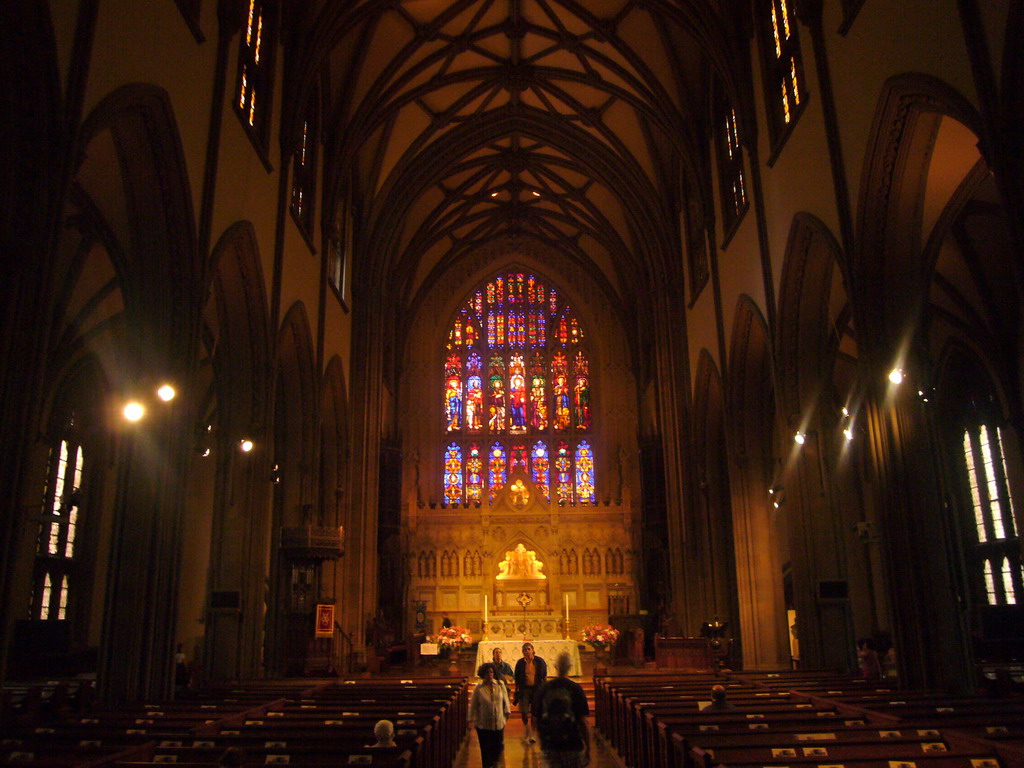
[(520, 755)]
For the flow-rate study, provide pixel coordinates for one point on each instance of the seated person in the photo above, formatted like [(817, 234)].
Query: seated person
[(719, 703), (384, 732)]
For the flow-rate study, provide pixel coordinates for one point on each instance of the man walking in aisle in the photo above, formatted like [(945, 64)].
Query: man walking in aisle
[(560, 711)]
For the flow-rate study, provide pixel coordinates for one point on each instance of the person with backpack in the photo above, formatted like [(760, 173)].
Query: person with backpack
[(560, 712)]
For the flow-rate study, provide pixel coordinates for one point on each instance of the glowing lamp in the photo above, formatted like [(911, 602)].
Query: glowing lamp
[(896, 376), (245, 444), (166, 393), (134, 411), (800, 438)]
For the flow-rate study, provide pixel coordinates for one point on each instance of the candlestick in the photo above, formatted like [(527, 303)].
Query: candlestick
[(485, 609)]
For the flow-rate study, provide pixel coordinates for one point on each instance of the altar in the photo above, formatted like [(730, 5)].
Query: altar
[(512, 651)]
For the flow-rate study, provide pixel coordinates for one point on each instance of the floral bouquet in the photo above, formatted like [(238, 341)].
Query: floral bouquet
[(600, 636), (452, 638)]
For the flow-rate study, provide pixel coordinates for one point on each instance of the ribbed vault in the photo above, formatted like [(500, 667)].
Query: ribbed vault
[(477, 121)]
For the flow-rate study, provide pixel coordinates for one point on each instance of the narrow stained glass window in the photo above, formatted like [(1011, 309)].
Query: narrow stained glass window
[(255, 71), (498, 473), (563, 474), (58, 531), (453, 474), (783, 67), (584, 474), (453, 393), (474, 474), (541, 469), (991, 515)]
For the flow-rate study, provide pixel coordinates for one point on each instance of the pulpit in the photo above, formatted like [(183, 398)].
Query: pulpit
[(692, 654)]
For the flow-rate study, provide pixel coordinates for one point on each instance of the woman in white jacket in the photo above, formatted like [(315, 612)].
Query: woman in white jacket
[(489, 708)]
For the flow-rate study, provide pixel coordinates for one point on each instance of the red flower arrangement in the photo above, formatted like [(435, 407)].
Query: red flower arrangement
[(600, 636)]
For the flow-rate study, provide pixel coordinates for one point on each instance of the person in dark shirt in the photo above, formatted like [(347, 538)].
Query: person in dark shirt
[(719, 702), (502, 667), (531, 671), (560, 712)]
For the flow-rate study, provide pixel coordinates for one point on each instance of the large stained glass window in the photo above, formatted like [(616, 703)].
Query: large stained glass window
[(516, 372)]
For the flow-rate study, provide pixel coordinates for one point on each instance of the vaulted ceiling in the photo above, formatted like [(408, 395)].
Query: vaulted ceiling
[(471, 121)]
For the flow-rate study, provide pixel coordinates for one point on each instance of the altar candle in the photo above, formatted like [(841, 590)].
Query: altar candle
[(485, 609), (567, 608)]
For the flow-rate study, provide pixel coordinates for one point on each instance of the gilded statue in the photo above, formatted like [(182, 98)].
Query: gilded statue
[(520, 563)]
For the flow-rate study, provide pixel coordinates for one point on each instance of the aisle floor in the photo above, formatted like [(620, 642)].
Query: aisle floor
[(520, 755)]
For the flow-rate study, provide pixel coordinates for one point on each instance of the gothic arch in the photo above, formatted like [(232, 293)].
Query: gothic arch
[(234, 379), (333, 443), (237, 331), (758, 540), (295, 409), (714, 521), (148, 204), (812, 308), (889, 281)]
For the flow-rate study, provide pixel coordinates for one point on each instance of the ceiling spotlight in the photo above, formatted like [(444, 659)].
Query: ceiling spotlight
[(848, 434), (205, 453), (846, 411), (166, 393), (134, 411), (926, 394), (896, 376), (245, 444), (494, 194), (776, 504), (535, 193), (800, 438)]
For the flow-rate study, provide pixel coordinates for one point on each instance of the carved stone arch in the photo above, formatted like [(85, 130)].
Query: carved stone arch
[(295, 409), (758, 543), (333, 444), (147, 199), (295, 490), (236, 332), (964, 372), (889, 281), (751, 395), (812, 305), (713, 518)]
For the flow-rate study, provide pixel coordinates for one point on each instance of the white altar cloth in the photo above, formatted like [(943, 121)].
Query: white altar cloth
[(512, 651)]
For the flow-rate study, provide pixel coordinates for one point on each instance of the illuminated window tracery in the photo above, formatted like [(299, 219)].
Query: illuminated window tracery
[(517, 365), (992, 514)]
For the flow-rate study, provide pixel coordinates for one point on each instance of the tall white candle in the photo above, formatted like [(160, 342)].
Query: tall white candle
[(567, 607), (485, 609)]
